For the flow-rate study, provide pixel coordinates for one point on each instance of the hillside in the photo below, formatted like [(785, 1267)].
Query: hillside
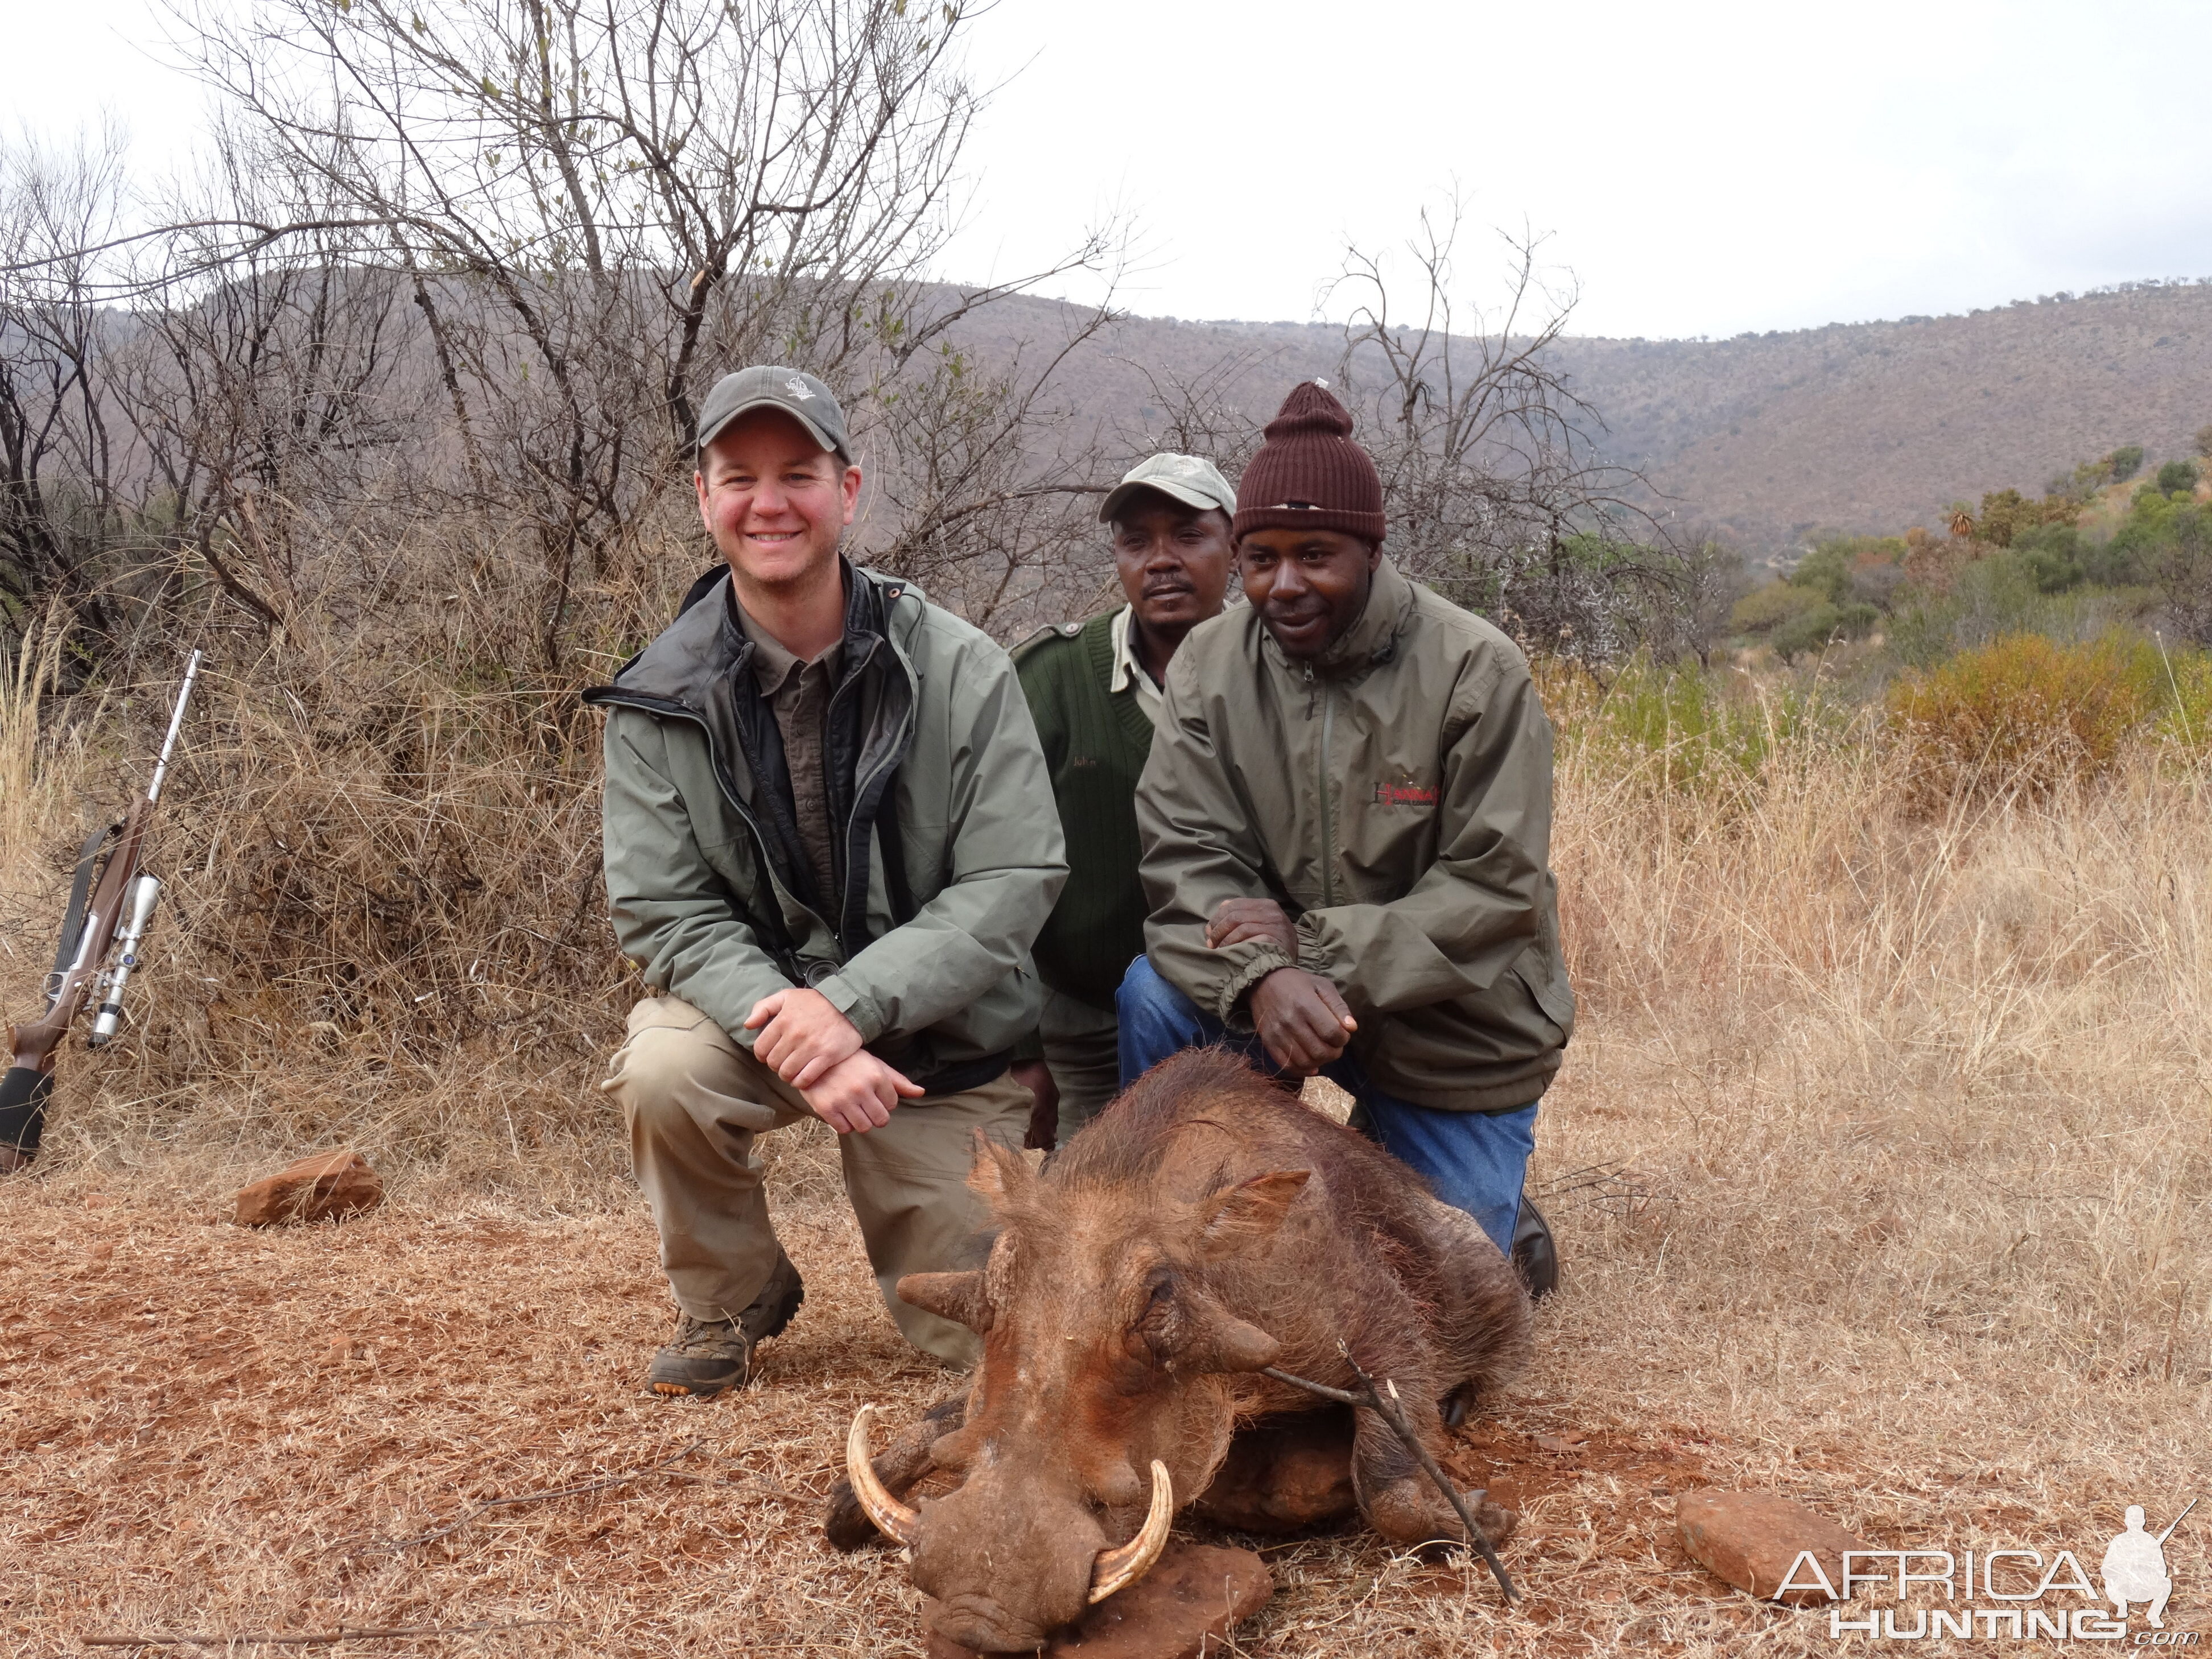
[(1862, 426)]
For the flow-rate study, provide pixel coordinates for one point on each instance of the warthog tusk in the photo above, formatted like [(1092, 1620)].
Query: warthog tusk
[(1117, 1568), (893, 1519)]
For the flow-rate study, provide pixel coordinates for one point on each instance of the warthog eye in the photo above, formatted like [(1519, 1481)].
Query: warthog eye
[(1154, 1333)]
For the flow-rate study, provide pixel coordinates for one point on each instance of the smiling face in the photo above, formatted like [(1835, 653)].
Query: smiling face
[(775, 501), (1173, 562), (1309, 585)]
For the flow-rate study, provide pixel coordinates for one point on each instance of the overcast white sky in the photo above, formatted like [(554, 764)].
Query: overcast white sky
[(1699, 166)]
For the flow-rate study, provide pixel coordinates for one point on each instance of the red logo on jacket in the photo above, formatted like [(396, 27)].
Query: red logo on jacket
[(1404, 794)]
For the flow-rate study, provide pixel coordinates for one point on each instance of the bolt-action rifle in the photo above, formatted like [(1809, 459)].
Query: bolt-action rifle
[(107, 918)]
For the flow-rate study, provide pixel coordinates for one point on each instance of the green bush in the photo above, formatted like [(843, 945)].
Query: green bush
[(2178, 478), (2023, 712), (2053, 554), (2054, 573), (2111, 563), (1816, 629), (2124, 463), (1694, 724), (2005, 594), (1766, 607), (1826, 570), (1848, 568)]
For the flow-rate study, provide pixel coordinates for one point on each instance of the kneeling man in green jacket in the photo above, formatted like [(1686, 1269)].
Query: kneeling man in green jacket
[(1094, 689), (1347, 819), (830, 842)]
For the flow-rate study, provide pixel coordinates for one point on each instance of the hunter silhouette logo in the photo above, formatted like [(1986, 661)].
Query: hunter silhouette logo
[(2135, 1567)]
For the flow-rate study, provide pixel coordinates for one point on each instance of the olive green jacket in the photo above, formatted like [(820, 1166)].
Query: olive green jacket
[(932, 755), (1396, 798)]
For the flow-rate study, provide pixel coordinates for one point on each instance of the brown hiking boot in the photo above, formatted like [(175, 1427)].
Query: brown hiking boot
[(707, 1356)]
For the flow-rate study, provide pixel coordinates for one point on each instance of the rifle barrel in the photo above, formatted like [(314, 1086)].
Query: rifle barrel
[(2178, 1520), (176, 719)]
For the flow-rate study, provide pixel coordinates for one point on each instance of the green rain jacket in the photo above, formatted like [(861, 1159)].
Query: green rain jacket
[(949, 854), (1396, 798)]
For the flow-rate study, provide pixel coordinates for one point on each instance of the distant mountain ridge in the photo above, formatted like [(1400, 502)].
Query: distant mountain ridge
[(1772, 439)]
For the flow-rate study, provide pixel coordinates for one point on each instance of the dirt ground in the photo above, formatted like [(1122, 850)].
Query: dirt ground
[(216, 1429), (215, 1432)]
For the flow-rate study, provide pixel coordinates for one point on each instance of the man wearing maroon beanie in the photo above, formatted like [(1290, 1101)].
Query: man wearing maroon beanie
[(1347, 820)]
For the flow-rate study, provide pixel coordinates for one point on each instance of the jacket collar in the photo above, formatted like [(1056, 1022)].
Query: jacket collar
[(1372, 639), (705, 642)]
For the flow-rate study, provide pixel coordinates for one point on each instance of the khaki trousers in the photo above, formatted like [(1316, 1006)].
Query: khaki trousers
[(693, 1101), (1082, 1051)]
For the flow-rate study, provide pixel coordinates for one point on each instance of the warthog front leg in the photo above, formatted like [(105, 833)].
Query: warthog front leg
[(898, 1466), (1395, 1493)]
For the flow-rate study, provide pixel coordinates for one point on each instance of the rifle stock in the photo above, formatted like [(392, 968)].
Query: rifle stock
[(28, 1084)]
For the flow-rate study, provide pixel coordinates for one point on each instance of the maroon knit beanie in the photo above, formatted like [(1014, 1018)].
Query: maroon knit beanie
[(1310, 475)]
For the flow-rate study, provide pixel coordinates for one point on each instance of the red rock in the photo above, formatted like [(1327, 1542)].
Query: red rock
[(1752, 1538), (1183, 1608), (327, 1186)]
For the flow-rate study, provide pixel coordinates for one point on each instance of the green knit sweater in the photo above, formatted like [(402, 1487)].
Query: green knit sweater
[(1095, 745)]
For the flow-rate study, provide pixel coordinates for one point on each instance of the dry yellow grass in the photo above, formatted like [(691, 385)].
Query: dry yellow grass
[(1919, 1110)]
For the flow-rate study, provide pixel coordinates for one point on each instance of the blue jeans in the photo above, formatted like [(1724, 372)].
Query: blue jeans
[(1473, 1161)]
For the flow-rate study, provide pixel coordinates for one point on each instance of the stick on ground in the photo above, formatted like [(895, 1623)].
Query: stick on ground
[(1390, 1411)]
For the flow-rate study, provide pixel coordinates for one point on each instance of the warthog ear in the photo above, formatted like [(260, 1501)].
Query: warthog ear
[(1000, 1175), (956, 1297), (1248, 1213)]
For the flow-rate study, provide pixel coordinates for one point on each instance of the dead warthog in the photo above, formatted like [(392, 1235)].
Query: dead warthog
[(1206, 1226)]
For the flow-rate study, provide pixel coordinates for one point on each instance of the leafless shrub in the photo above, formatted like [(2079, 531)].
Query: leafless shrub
[(59, 461), (1495, 491), (991, 484), (596, 208)]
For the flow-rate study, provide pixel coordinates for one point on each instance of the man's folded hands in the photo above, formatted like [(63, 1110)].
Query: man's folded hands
[(817, 1050)]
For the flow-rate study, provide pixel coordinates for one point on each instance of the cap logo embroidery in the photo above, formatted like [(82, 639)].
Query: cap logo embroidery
[(797, 388)]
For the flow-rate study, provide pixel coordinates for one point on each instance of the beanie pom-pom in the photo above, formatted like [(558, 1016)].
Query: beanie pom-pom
[(1312, 407)]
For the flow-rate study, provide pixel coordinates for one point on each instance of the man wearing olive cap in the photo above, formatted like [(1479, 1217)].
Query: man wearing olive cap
[(829, 844), (1095, 690)]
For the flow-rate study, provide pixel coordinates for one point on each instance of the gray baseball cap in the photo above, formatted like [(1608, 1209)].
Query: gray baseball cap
[(1191, 479), (768, 385)]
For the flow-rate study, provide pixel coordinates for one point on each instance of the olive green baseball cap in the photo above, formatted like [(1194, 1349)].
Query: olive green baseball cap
[(770, 386), (1191, 479)]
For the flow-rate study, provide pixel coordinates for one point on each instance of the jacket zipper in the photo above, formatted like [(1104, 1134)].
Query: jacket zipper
[(1322, 690)]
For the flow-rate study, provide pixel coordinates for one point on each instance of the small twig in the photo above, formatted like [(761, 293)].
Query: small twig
[(308, 1639), (491, 1503), (1391, 1411)]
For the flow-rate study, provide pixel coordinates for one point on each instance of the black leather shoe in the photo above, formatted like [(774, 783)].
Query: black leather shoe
[(1535, 1258)]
